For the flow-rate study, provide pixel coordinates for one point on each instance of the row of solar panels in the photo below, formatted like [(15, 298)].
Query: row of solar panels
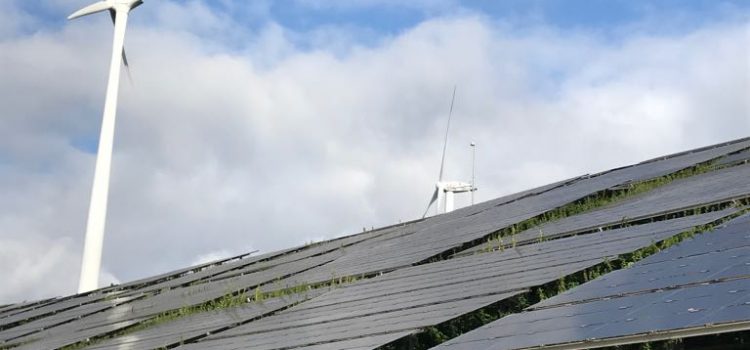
[(409, 295)]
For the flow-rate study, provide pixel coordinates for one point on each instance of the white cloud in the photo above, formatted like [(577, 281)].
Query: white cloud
[(219, 150), (342, 5), (211, 256)]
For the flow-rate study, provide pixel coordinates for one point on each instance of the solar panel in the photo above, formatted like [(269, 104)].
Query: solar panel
[(738, 157), (51, 308), (363, 343), (690, 288), (24, 306), (318, 332), (719, 186), (58, 318), (59, 339), (586, 325)]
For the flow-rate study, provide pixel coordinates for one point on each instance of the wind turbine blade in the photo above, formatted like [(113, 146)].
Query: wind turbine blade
[(127, 66), (447, 129), (136, 4), (434, 198), (91, 9), (113, 16), (125, 59)]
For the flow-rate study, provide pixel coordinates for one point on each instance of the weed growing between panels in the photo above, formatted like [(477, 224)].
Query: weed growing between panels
[(435, 335)]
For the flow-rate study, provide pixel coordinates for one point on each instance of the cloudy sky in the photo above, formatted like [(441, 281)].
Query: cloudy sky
[(265, 124)]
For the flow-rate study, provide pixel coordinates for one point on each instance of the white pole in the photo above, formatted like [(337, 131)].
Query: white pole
[(473, 158), (440, 207), (448, 201), (92, 249)]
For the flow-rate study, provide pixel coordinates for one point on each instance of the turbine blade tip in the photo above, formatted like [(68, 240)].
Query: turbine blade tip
[(91, 9)]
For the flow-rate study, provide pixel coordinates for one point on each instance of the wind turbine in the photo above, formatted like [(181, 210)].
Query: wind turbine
[(445, 190), (92, 249)]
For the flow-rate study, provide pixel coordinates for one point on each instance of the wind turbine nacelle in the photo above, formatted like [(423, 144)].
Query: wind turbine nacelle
[(131, 4), (457, 187), (111, 5)]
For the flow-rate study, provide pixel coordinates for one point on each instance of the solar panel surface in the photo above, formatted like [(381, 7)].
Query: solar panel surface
[(699, 284)]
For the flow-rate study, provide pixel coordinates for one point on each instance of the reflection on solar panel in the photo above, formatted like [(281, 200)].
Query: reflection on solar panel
[(413, 285)]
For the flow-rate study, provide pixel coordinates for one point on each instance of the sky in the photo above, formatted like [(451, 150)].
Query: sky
[(259, 125)]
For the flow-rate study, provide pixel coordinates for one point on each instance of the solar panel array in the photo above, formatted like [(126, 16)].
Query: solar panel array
[(370, 289), (699, 285), (424, 295)]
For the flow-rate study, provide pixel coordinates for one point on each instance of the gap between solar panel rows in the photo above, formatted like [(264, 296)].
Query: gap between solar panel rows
[(697, 285)]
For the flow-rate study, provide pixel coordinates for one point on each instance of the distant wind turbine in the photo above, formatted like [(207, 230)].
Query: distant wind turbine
[(92, 249), (444, 190)]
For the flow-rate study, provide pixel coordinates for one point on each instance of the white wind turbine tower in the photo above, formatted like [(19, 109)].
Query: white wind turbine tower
[(445, 190), (92, 249)]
